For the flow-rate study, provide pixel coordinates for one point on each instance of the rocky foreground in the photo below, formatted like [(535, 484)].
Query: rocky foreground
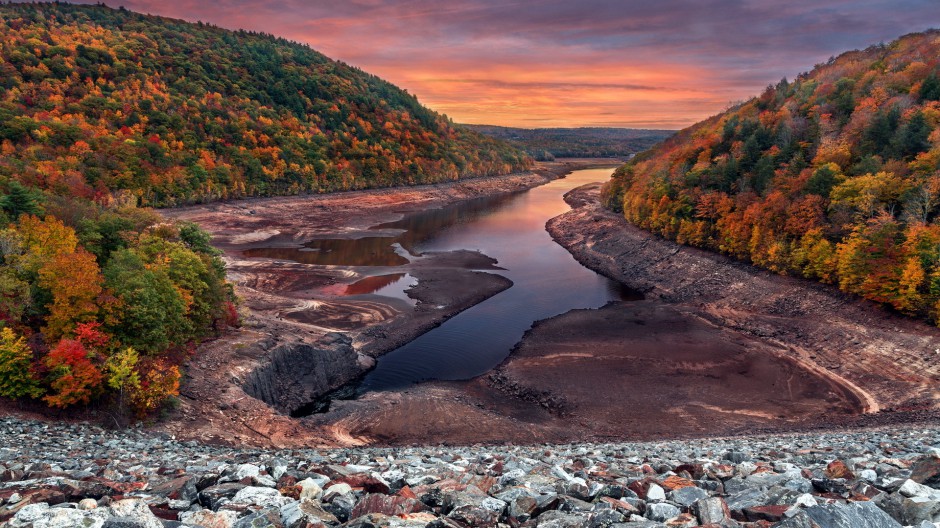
[(76, 475)]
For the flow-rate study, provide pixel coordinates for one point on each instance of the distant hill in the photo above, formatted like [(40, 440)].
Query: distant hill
[(549, 143), (95, 100), (834, 176)]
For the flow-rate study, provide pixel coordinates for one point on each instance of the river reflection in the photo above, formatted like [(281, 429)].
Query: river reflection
[(412, 231), (547, 281)]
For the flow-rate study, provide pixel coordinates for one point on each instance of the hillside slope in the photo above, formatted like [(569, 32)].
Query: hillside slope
[(94, 100), (545, 144), (834, 176)]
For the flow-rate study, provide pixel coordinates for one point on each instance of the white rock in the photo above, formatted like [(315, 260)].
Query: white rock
[(336, 489), (266, 481), (42, 516), (745, 468), (278, 470), (913, 489), (309, 489), (209, 518), (655, 493), (868, 474), (559, 472), (259, 496), (135, 509), (87, 504)]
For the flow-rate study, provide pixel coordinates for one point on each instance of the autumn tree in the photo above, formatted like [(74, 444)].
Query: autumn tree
[(16, 373), (74, 376), (75, 283)]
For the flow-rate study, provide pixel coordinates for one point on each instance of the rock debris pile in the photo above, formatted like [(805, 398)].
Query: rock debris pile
[(54, 475)]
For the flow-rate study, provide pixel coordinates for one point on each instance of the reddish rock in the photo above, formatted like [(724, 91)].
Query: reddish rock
[(641, 487), (367, 483), (621, 506), (674, 482), (387, 504), (180, 488), (721, 471), (286, 480), (165, 513), (683, 520), (926, 469), (837, 469), (51, 496), (694, 471), (291, 491), (773, 513), (407, 493)]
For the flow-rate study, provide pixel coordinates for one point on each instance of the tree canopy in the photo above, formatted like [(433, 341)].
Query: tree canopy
[(95, 100), (834, 176)]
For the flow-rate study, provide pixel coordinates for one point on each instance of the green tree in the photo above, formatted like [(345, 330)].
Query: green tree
[(16, 374), (153, 314), (20, 200)]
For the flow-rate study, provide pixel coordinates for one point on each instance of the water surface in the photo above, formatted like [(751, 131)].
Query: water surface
[(547, 281)]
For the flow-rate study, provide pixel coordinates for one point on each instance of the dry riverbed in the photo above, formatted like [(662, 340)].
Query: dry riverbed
[(716, 348), (294, 310)]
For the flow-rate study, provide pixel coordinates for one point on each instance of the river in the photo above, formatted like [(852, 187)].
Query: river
[(547, 281)]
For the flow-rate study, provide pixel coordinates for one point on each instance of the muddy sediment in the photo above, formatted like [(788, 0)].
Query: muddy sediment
[(886, 360), (241, 389), (718, 347)]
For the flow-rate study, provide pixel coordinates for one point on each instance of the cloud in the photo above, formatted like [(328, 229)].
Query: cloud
[(663, 63)]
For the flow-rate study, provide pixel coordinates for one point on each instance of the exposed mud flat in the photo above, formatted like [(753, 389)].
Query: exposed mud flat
[(718, 347), (635, 370), (889, 362), (294, 308)]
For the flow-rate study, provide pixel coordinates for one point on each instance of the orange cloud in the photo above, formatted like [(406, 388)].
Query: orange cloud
[(635, 63)]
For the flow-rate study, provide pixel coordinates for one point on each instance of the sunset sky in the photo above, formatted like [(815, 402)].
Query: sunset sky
[(647, 63)]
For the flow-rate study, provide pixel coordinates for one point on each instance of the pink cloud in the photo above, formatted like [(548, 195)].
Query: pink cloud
[(633, 63)]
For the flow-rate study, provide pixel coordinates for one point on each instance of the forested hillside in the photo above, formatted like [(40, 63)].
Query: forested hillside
[(834, 176), (546, 144), (95, 100)]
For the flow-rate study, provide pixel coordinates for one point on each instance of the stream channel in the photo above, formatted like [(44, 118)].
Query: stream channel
[(547, 281)]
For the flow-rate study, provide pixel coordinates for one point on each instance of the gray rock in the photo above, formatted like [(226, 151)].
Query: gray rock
[(215, 496), (712, 510), (686, 496), (606, 518), (266, 518), (661, 511), (125, 522), (557, 519), (852, 515)]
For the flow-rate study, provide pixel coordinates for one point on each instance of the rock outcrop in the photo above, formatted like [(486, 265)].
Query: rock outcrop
[(296, 374)]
